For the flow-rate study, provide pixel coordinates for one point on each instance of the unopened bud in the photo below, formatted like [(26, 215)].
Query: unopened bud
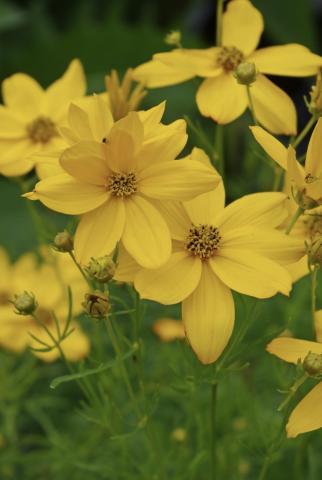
[(246, 73), (312, 364), (96, 304), (101, 269), (315, 103), (315, 252), (63, 242), (173, 38), (25, 303), (179, 435)]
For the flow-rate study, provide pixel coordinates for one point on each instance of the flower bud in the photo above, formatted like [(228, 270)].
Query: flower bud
[(173, 38), (315, 252), (101, 269), (312, 364), (25, 303), (246, 73), (315, 104), (96, 304), (63, 242), (179, 435)]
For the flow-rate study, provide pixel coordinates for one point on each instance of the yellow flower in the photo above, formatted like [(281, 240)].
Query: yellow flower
[(306, 416), (220, 96), (168, 329), (122, 98), (303, 182), (114, 172), (216, 250), (48, 282), (31, 116)]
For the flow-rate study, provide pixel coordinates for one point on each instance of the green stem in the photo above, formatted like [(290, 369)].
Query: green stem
[(293, 391), (251, 104), (293, 220), (220, 5), (314, 272), (213, 408), (80, 269), (219, 149), (304, 132)]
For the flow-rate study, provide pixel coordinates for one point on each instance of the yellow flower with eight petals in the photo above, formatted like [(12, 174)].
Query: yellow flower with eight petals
[(220, 96), (31, 117)]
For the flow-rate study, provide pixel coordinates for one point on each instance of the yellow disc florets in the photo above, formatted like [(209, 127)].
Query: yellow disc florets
[(229, 58), (122, 184), (203, 241), (41, 130)]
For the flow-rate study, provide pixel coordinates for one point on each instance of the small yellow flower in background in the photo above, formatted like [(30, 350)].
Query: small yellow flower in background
[(122, 97), (307, 415), (168, 329), (220, 96), (48, 282), (31, 117), (301, 183), (114, 173), (216, 250)]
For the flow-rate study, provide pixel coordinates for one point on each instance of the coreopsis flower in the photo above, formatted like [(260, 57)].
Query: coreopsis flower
[(168, 329), (48, 284), (220, 96), (306, 416), (216, 250), (113, 173), (122, 97), (31, 117)]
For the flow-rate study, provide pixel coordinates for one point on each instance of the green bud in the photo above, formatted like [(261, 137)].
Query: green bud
[(312, 364), (101, 269), (96, 304), (63, 242), (246, 73), (173, 38), (25, 303)]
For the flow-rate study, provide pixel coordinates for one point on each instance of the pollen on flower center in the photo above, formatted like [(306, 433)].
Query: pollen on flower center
[(203, 241), (229, 58), (122, 184), (41, 130)]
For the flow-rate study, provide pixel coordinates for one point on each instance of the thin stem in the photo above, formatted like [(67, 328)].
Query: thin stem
[(219, 149), (304, 132), (220, 5), (292, 392), (213, 408), (80, 269), (251, 104), (293, 220), (314, 272)]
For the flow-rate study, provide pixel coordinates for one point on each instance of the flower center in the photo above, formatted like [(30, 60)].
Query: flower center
[(122, 184), (203, 241), (229, 58), (313, 224), (4, 298), (41, 130)]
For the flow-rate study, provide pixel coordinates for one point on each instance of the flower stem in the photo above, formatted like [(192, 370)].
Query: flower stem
[(304, 132), (251, 104), (220, 5), (80, 269), (314, 272), (213, 408), (293, 220), (219, 149)]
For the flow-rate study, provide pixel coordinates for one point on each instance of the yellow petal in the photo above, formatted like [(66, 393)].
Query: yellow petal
[(313, 163), (162, 148), (146, 235), (152, 117), (298, 269), (292, 349), (133, 126), (314, 189), (318, 325), (127, 268), (23, 95), (274, 109), (156, 74), (168, 329), (79, 123), (222, 98), (242, 26), (295, 171), (98, 119), (99, 231), (85, 162), (292, 60), (198, 62), (177, 180), (249, 273), (208, 315), (120, 152), (176, 217), (17, 160), (66, 195), (307, 415), (270, 243), (71, 85), (271, 145), (11, 125), (171, 283), (256, 209)]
